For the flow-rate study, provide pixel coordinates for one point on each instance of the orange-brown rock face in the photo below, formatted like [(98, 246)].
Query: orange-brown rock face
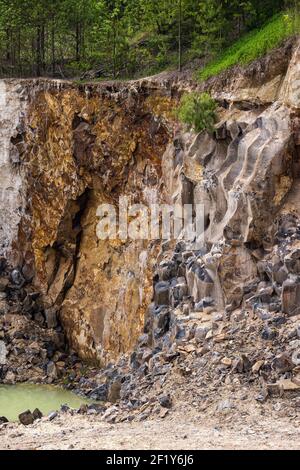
[(85, 149)]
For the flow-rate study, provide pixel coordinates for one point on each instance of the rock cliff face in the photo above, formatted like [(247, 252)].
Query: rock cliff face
[(12, 106), (80, 148), (67, 149)]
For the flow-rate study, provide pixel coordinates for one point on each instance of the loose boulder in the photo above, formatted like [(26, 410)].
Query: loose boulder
[(37, 414), (26, 418)]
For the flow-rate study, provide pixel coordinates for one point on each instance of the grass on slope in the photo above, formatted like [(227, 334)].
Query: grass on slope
[(253, 45)]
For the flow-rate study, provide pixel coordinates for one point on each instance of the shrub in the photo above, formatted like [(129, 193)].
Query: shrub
[(198, 111)]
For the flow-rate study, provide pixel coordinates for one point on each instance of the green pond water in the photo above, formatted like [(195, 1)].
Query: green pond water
[(14, 399)]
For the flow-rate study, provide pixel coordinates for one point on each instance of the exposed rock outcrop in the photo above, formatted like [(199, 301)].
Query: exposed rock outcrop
[(12, 113), (80, 146)]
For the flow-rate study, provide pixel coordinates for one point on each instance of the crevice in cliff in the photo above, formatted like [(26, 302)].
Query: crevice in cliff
[(67, 249), (83, 202)]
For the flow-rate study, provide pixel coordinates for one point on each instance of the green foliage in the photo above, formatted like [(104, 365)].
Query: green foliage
[(252, 46), (129, 38), (198, 111), (210, 24)]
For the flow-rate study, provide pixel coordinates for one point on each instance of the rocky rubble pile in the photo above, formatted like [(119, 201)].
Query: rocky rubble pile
[(189, 351), (30, 348), (194, 352), (197, 349)]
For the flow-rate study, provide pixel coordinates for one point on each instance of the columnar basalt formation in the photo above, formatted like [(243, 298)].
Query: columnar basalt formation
[(73, 148), (243, 174)]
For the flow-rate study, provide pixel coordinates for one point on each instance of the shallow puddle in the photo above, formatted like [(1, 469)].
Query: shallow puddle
[(14, 399)]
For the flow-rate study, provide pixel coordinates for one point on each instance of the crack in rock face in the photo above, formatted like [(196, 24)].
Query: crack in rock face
[(68, 149)]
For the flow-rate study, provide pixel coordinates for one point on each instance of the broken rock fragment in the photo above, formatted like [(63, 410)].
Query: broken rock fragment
[(291, 297)]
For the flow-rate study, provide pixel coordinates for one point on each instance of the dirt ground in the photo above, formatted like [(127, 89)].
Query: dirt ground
[(177, 432)]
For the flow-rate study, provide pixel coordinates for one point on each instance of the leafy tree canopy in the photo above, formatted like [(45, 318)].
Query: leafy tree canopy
[(121, 38)]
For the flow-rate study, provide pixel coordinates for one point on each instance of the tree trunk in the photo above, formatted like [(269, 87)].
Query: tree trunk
[(82, 40), (38, 51), (19, 53), (43, 49), (53, 47), (180, 36), (78, 33), (114, 49), (8, 50)]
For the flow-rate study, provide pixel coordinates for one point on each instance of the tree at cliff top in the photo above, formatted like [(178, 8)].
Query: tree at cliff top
[(121, 38)]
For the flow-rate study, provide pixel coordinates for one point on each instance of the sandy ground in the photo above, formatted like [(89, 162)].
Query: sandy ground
[(178, 432)]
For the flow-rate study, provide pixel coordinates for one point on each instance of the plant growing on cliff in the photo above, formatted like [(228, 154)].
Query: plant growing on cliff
[(198, 111)]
